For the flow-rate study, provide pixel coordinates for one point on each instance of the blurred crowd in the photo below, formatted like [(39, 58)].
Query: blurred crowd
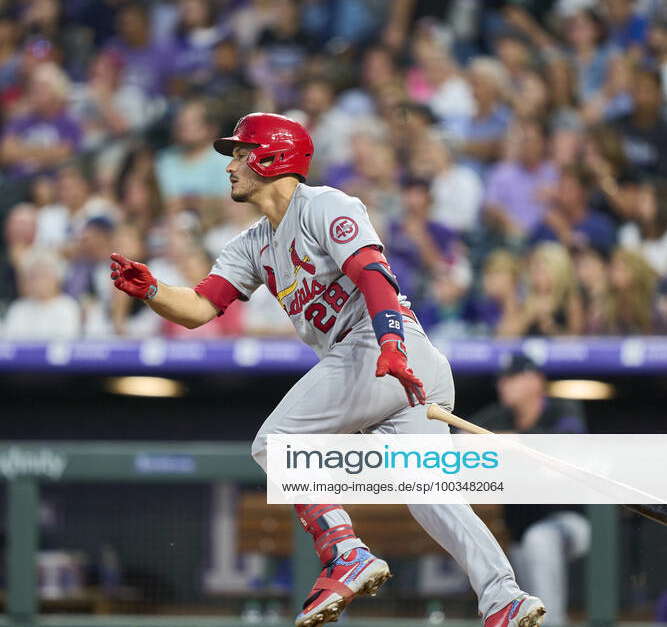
[(512, 154)]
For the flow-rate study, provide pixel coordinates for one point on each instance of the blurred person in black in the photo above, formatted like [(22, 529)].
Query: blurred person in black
[(644, 131), (544, 537), (19, 230), (228, 83)]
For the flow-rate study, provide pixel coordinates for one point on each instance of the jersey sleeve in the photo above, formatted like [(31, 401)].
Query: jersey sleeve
[(236, 264), (341, 225)]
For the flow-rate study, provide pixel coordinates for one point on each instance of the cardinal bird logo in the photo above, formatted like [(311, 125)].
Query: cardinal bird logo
[(299, 262), (305, 293), (271, 280)]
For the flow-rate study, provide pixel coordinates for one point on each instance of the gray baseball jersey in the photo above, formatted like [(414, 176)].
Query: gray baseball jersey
[(300, 262)]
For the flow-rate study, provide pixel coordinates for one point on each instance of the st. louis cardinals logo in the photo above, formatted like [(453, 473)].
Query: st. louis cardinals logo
[(271, 280), (343, 230), (306, 293), (298, 261), (298, 296)]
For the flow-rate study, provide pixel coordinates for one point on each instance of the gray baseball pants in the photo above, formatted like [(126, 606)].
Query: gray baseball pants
[(341, 394)]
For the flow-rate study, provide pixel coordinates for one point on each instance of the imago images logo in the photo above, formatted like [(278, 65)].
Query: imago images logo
[(355, 462)]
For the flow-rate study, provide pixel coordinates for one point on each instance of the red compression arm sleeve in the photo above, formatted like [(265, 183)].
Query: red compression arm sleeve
[(378, 293), (219, 291)]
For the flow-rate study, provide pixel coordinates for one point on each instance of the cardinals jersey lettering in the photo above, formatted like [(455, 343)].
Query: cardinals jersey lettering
[(300, 262)]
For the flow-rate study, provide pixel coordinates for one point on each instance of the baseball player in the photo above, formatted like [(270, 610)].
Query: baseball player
[(317, 252)]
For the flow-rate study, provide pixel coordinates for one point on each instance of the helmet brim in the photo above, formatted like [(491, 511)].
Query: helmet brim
[(225, 145)]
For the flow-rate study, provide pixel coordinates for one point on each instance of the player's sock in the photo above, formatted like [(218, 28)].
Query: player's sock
[(331, 528)]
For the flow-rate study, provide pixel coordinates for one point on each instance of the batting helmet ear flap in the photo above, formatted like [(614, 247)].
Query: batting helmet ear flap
[(284, 141)]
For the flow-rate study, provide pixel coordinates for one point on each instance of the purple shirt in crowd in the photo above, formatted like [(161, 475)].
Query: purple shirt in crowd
[(517, 191), (492, 127), (405, 260), (595, 229), (144, 68), (191, 55), (40, 131)]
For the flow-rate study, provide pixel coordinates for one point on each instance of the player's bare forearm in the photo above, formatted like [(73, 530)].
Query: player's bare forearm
[(182, 305)]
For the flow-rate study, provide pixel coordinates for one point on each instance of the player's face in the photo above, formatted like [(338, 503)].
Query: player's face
[(245, 182)]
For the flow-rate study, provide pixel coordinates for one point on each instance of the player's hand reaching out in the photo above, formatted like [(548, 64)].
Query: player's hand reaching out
[(393, 360), (132, 277)]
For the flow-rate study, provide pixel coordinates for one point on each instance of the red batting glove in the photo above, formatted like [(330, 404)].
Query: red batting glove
[(393, 360), (133, 278)]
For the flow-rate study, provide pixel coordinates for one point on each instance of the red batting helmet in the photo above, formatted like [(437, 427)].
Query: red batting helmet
[(275, 136)]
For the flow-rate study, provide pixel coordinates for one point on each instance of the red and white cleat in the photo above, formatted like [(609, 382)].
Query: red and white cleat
[(522, 612), (355, 573)]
